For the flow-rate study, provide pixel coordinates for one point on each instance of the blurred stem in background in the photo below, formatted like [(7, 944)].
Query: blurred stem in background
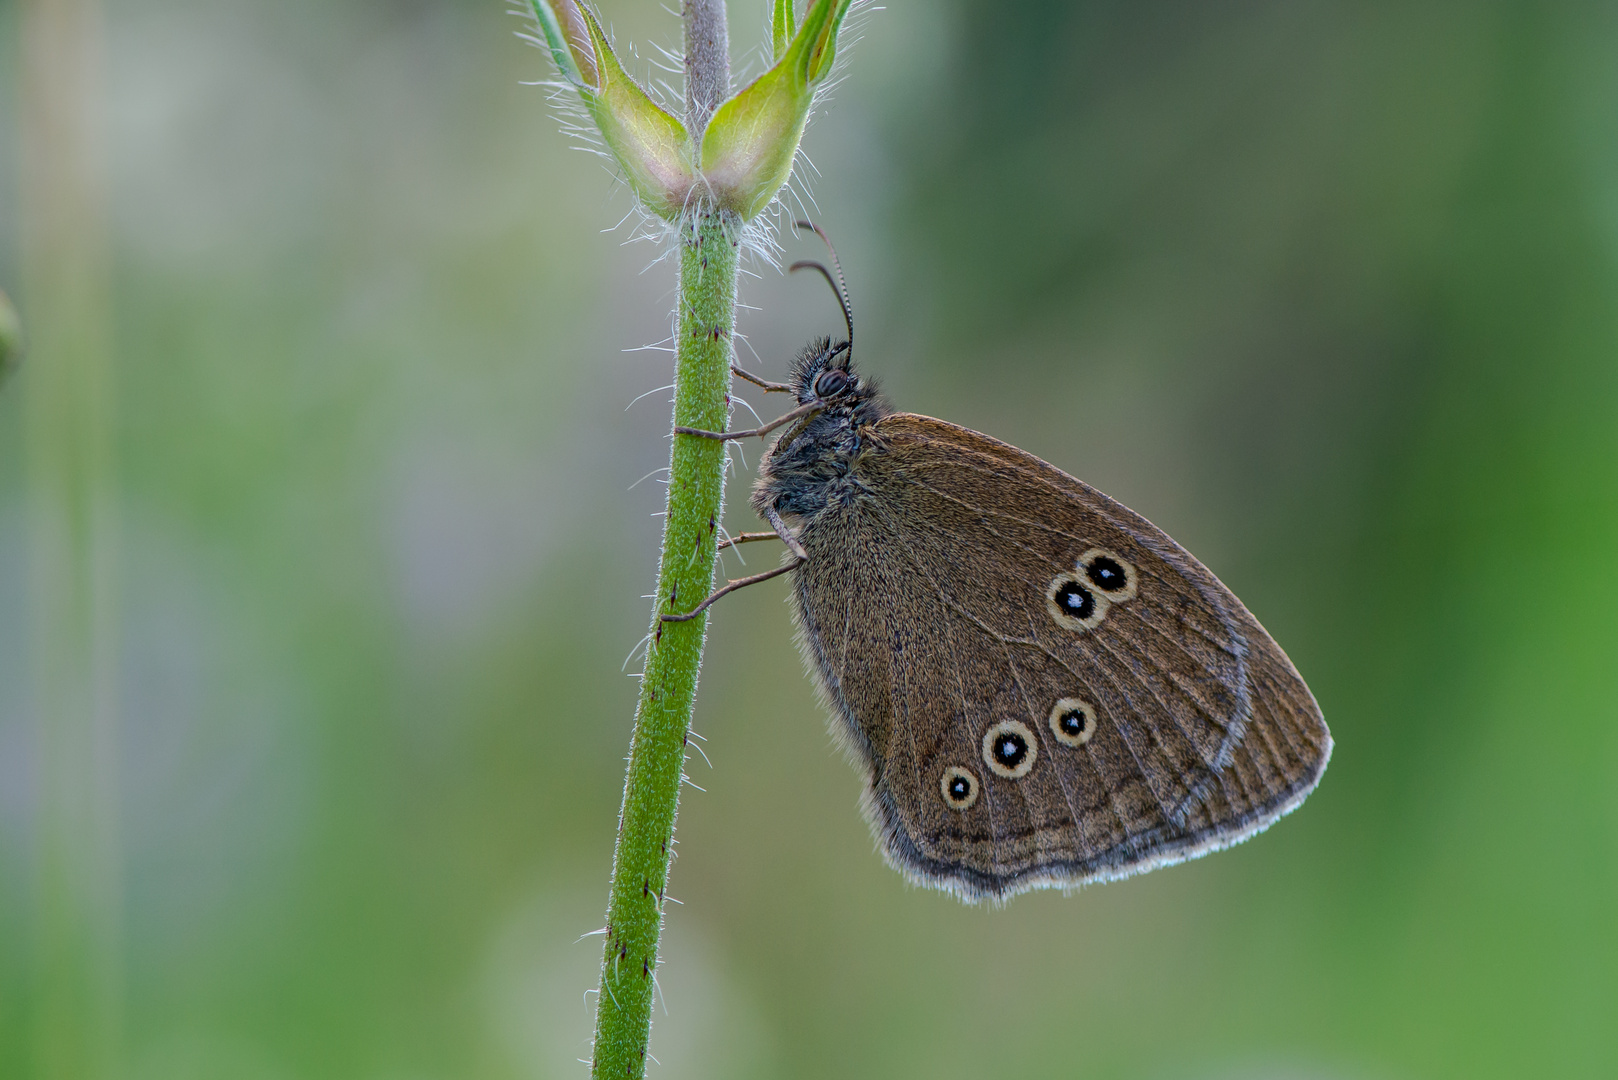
[(68, 391), (708, 178), (11, 340)]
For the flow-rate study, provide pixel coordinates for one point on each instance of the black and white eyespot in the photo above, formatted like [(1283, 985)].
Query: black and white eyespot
[(1110, 573), (1009, 749), (959, 787), (831, 382), (1073, 721), (1074, 603)]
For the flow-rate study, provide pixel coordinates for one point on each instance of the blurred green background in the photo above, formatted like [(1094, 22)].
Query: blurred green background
[(1329, 291)]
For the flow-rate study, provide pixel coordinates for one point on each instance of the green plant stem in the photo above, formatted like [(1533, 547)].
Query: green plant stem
[(696, 493)]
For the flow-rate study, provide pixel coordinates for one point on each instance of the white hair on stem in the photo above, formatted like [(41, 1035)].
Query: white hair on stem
[(640, 646), (743, 402), (648, 476), (649, 393)]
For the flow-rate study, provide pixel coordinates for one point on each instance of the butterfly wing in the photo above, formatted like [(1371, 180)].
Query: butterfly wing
[(1044, 687)]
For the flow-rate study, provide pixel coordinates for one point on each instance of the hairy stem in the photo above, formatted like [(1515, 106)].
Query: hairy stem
[(696, 497), (657, 752), (707, 61)]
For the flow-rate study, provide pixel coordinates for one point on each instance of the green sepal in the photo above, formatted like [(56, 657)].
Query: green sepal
[(650, 146), (750, 143), (782, 27), (569, 48)]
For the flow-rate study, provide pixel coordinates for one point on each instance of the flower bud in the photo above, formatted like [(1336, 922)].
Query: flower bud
[(748, 148)]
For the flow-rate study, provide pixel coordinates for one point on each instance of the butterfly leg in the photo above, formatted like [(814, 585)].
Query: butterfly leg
[(788, 537), (801, 410), (732, 586), (746, 538), (799, 557), (769, 387)]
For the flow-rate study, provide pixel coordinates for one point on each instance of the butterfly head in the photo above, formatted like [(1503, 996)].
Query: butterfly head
[(808, 464), (824, 372), (807, 467), (824, 376)]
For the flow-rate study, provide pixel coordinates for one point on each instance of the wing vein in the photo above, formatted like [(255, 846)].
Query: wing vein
[(986, 788), (1043, 731), (1190, 689), (1128, 694), (1222, 646)]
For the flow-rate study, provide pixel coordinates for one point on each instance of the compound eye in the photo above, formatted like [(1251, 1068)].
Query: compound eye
[(832, 381)]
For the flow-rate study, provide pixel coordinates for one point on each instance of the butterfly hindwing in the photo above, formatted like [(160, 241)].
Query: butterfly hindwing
[(929, 608)]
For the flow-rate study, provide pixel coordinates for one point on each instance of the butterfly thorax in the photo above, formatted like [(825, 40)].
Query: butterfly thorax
[(811, 465)]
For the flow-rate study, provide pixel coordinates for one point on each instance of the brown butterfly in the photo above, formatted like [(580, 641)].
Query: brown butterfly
[(1043, 687)]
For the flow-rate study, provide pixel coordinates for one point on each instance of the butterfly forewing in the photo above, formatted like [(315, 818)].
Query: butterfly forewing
[(930, 607)]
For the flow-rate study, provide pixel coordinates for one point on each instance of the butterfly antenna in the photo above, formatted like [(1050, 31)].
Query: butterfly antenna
[(838, 285)]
